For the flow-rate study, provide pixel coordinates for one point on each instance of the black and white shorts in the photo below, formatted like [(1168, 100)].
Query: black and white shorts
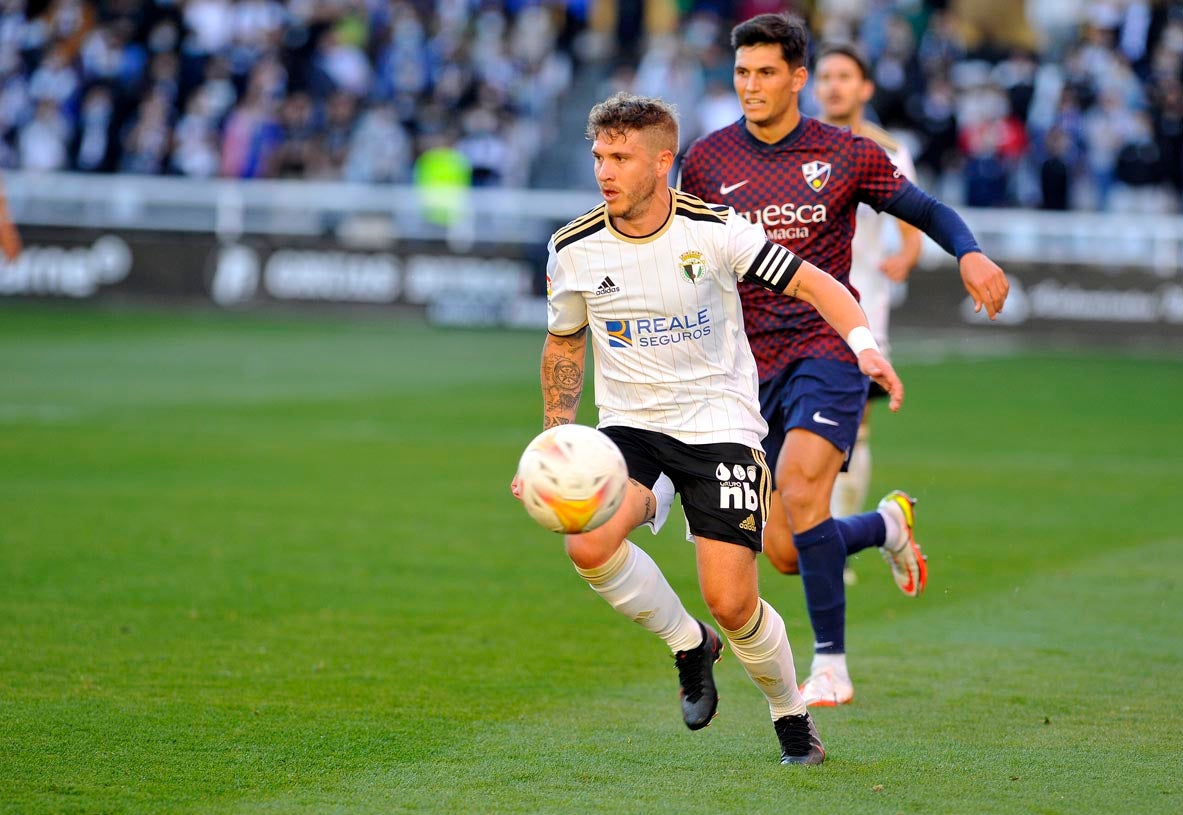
[(725, 487)]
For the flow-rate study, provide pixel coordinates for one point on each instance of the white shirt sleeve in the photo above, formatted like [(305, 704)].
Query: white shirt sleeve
[(566, 310), (756, 258), (902, 158)]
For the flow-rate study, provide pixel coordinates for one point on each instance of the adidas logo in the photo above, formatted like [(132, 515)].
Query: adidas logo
[(606, 287), (749, 523)]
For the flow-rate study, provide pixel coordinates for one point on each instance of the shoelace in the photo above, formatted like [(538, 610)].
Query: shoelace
[(690, 664), (793, 733)]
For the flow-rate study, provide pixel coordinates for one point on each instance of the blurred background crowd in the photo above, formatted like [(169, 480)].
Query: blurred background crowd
[(1059, 104)]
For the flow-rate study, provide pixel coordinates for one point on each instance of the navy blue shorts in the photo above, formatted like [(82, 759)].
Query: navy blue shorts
[(822, 396)]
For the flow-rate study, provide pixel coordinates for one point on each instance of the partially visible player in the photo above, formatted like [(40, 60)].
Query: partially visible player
[(843, 86), (802, 181), (10, 239), (652, 275)]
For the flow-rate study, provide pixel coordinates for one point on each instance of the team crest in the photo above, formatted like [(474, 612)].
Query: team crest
[(692, 265), (816, 173)]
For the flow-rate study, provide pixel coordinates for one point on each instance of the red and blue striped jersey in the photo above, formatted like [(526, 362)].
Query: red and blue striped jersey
[(805, 191)]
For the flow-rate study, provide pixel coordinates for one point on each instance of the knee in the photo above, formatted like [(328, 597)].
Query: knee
[(731, 610), (590, 551), (806, 499), (799, 490)]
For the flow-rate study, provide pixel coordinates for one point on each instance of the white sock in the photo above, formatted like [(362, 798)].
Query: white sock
[(837, 662), (762, 647), (851, 487), (633, 585)]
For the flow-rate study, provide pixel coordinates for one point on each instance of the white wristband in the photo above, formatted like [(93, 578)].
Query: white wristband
[(860, 339)]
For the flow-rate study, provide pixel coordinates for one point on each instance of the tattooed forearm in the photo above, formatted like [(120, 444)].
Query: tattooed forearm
[(562, 378), (794, 287)]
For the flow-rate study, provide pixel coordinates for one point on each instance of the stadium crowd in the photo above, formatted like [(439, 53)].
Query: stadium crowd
[(1055, 104), (1060, 105), (327, 89)]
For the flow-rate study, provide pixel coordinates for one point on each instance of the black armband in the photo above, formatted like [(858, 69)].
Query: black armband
[(774, 267)]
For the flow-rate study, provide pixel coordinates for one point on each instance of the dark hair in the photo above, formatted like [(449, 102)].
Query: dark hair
[(624, 112), (786, 30), (846, 49)]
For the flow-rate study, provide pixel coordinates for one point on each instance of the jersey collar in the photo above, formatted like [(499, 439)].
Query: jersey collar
[(787, 141)]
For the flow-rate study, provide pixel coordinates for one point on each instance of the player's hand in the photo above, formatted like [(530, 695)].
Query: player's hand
[(896, 268), (985, 282), (515, 486), (874, 365), (10, 242)]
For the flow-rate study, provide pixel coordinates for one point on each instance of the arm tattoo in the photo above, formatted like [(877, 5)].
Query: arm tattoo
[(796, 287), (562, 378)]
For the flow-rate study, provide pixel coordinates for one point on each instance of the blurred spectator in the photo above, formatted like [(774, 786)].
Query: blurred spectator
[(443, 177), (1168, 129), (195, 143), (1055, 172), (95, 142), (379, 150), (335, 135), (146, 143), (55, 80), (1105, 130), (42, 140), (484, 146), (296, 154), (250, 138), (1139, 169), (718, 108)]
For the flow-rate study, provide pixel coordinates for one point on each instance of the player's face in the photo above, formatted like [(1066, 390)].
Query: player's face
[(840, 87), (765, 84), (629, 171)]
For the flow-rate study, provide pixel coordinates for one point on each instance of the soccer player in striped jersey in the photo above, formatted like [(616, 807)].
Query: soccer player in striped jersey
[(802, 181), (843, 86), (652, 276)]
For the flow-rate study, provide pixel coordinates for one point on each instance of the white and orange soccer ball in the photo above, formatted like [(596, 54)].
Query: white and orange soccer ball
[(572, 478)]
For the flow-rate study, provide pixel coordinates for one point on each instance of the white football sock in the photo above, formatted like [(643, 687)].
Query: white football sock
[(762, 647), (633, 585), (851, 487), (837, 662)]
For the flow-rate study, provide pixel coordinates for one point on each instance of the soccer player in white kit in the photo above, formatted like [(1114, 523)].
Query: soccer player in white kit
[(843, 86), (652, 275)]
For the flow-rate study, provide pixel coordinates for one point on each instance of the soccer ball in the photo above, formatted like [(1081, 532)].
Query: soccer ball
[(572, 478)]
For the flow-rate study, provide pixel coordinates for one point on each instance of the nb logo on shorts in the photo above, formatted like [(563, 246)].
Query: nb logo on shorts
[(737, 487)]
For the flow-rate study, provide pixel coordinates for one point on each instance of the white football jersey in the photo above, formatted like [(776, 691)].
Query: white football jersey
[(875, 236), (665, 319)]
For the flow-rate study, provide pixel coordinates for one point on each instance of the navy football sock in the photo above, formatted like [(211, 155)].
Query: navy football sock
[(863, 531), (821, 556)]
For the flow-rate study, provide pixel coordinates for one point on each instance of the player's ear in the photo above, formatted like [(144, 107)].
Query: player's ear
[(665, 161), (799, 77)]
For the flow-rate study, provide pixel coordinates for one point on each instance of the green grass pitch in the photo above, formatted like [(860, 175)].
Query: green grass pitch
[(270, 564)]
